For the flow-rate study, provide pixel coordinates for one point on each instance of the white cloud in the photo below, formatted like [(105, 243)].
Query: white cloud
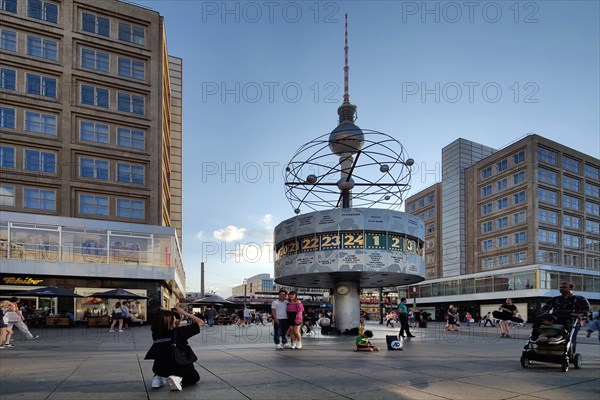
[(252, 253), (200, 235), (266, 220), (230, 233)]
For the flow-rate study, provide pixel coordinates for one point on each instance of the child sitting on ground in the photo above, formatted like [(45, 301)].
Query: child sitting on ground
[(550, 331), (364, 344)]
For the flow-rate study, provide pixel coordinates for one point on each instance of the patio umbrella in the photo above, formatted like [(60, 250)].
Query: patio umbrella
[(210, 299), (49, 291), (117, 294)]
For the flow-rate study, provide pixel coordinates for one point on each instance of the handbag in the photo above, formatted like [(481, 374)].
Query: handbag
[(11, 317), (182, 356)]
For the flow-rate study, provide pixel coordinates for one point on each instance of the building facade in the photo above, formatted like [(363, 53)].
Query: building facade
[(91, 128), (531, 218)]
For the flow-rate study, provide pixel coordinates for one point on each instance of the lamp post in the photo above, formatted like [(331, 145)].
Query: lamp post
[(245, 290)]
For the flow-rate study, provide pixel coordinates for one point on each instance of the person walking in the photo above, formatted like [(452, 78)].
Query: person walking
[(295, 316), (594, 325), (280, 321), (21, 325), (5, 327), (210, 314), (566, 308), (507, 311), (403, 318), (164, 334), (451, 319), (118, 317)]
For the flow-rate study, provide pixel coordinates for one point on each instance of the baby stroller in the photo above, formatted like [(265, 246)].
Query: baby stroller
[(556, 350)]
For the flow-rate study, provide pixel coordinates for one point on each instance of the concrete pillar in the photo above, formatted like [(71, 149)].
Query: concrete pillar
[(346, 306)]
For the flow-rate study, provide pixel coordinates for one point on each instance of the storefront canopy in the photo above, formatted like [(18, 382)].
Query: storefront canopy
[(211, 299), (49, 291), (117, 294)]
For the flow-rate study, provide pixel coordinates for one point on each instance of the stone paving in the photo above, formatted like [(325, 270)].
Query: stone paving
[(242, 363)]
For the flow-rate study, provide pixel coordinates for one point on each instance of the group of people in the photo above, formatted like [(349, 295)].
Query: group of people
[(287, 312), (11, 316), (122, 315)]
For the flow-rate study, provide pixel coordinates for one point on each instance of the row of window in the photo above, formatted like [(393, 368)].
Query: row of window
[(503, 184), (504, 222), (568, 163), (99, 205), (35, 84), (517, 199), (91, 131), (91, 168), (569, 202), (550, 217), (35, 46), (518, 238), (422, 202), (90, 22), (502, 165), (572, 260), (503, 259), (568, 182)]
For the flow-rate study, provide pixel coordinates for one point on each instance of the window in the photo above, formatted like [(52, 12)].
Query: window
[(502, 222), (91, 204), (430, 228), (131, 103), (519, 217), (131, 68), (592, 244), (130, 208), (519, 157), (571, 183), (547, 256), (7, 195), (40, 123), (592, 226), (41, 85), (546, 156), (421, 202), (487, 262), (503, 259), (502, 184), (412, 207), (519, 257), (502, 241), (94, 96), (486, 227), (592, 190), (42, 10), (8, 79), (7, 157), (93, 168), (519, 198), (570, 164), (501, 165), (570, 221), (131, 33), (547, 216), (430, 213), (93, 132), (8, 40), (430, 198), (519, 237), (7, 117), (486, 172), (95, 24), (487, 245), (486, 209), (135, 139), (486, 190), (547, 196), (519, 178), (571, 241), (571, 202), (42, 47), (40, 161), (9, 6), (547, 176), (592, 172), (502, 203), (130, 173), (39, 199), (572, 260), (592, 208), (592, 262), (547, 236), (94, 59)]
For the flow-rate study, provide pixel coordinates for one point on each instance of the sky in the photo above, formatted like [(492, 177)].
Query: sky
[(262, 78)]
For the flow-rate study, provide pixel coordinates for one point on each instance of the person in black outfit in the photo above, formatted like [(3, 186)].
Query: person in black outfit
[(507, 311), (403, 317), (164, 331)]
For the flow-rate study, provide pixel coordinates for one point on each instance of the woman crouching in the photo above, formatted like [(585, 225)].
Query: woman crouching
[(164, 333)]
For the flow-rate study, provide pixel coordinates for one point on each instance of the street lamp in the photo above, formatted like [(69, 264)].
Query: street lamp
[(245, 290)]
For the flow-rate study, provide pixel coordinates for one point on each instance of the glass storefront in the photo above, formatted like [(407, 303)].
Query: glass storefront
[(87, 307)]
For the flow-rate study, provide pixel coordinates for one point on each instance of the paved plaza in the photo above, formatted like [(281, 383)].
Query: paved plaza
[(242, 363)]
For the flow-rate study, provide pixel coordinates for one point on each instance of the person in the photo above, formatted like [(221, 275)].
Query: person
[(452, 319), (566, 307), (549, 330), (362, 319), (118, 317), (507, 311), (468, 318), (295, 317), (164, 334), (247, 316), (363, 342), (390, 319), (21, 325), (488, 319), (280, 321), (403, 318), (594, 325), (5, 328), (210, 313)]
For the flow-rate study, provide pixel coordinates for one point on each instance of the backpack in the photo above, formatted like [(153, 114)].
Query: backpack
[(393, 343)]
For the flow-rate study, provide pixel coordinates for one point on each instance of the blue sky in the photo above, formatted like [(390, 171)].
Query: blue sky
[(263, 78)]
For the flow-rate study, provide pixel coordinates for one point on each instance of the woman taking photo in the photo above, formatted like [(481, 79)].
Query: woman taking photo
[(295, 311), (165, 332)]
